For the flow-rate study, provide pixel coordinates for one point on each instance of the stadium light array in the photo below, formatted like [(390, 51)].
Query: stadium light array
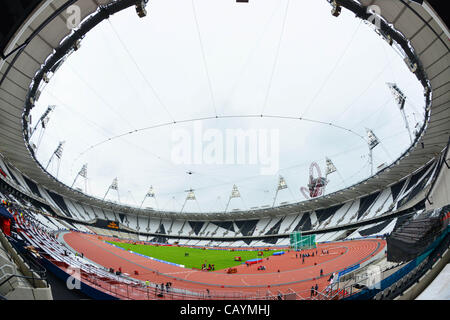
[(77, 45), (336, 11), (140, 8)]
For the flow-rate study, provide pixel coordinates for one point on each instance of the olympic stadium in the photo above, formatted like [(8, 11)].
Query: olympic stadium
[(224, 150)]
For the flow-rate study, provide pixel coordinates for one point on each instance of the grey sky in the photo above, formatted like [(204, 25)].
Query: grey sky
[(328, 69)]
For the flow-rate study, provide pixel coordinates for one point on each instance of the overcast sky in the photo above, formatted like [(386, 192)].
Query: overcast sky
[(283, 58)]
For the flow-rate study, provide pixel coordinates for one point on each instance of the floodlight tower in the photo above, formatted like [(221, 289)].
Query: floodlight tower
[(234, 194), (400, 99), (190, 196), (58, 154), (43, 120), (150, 194), (82, 173), (330, 167), (372, 142), (281, 185), (113, 186)]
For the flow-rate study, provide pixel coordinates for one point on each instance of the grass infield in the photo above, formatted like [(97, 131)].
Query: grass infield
[(221, 259)]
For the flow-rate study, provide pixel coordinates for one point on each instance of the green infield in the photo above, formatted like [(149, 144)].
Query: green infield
[(193, 257)]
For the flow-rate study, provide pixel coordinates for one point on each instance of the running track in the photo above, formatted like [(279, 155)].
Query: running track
[(293, 274)]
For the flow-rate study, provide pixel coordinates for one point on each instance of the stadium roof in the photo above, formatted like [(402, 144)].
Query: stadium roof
[(45, 28)]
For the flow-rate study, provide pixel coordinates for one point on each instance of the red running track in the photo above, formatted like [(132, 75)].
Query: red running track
[(283, 273)]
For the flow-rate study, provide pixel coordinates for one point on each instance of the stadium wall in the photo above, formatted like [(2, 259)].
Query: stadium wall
[(414, 291), (440, 192)]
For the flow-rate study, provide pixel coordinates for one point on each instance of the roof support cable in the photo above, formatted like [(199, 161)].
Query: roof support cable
[(147, 82), (338, 61), (205, 64), (275, 61), (252, 53)]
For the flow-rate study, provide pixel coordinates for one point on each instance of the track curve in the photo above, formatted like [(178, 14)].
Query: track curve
[(283, 273)]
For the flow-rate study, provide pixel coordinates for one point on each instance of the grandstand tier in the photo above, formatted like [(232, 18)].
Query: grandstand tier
[(413, 237)]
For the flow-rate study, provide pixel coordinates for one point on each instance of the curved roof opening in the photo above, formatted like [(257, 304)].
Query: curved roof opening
[(205, 96)]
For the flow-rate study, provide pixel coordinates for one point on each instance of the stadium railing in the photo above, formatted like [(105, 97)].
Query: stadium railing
[(7, 278), (140, 291)]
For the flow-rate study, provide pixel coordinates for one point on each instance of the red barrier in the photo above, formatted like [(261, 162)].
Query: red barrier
[(5, 225), (253, 261)]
